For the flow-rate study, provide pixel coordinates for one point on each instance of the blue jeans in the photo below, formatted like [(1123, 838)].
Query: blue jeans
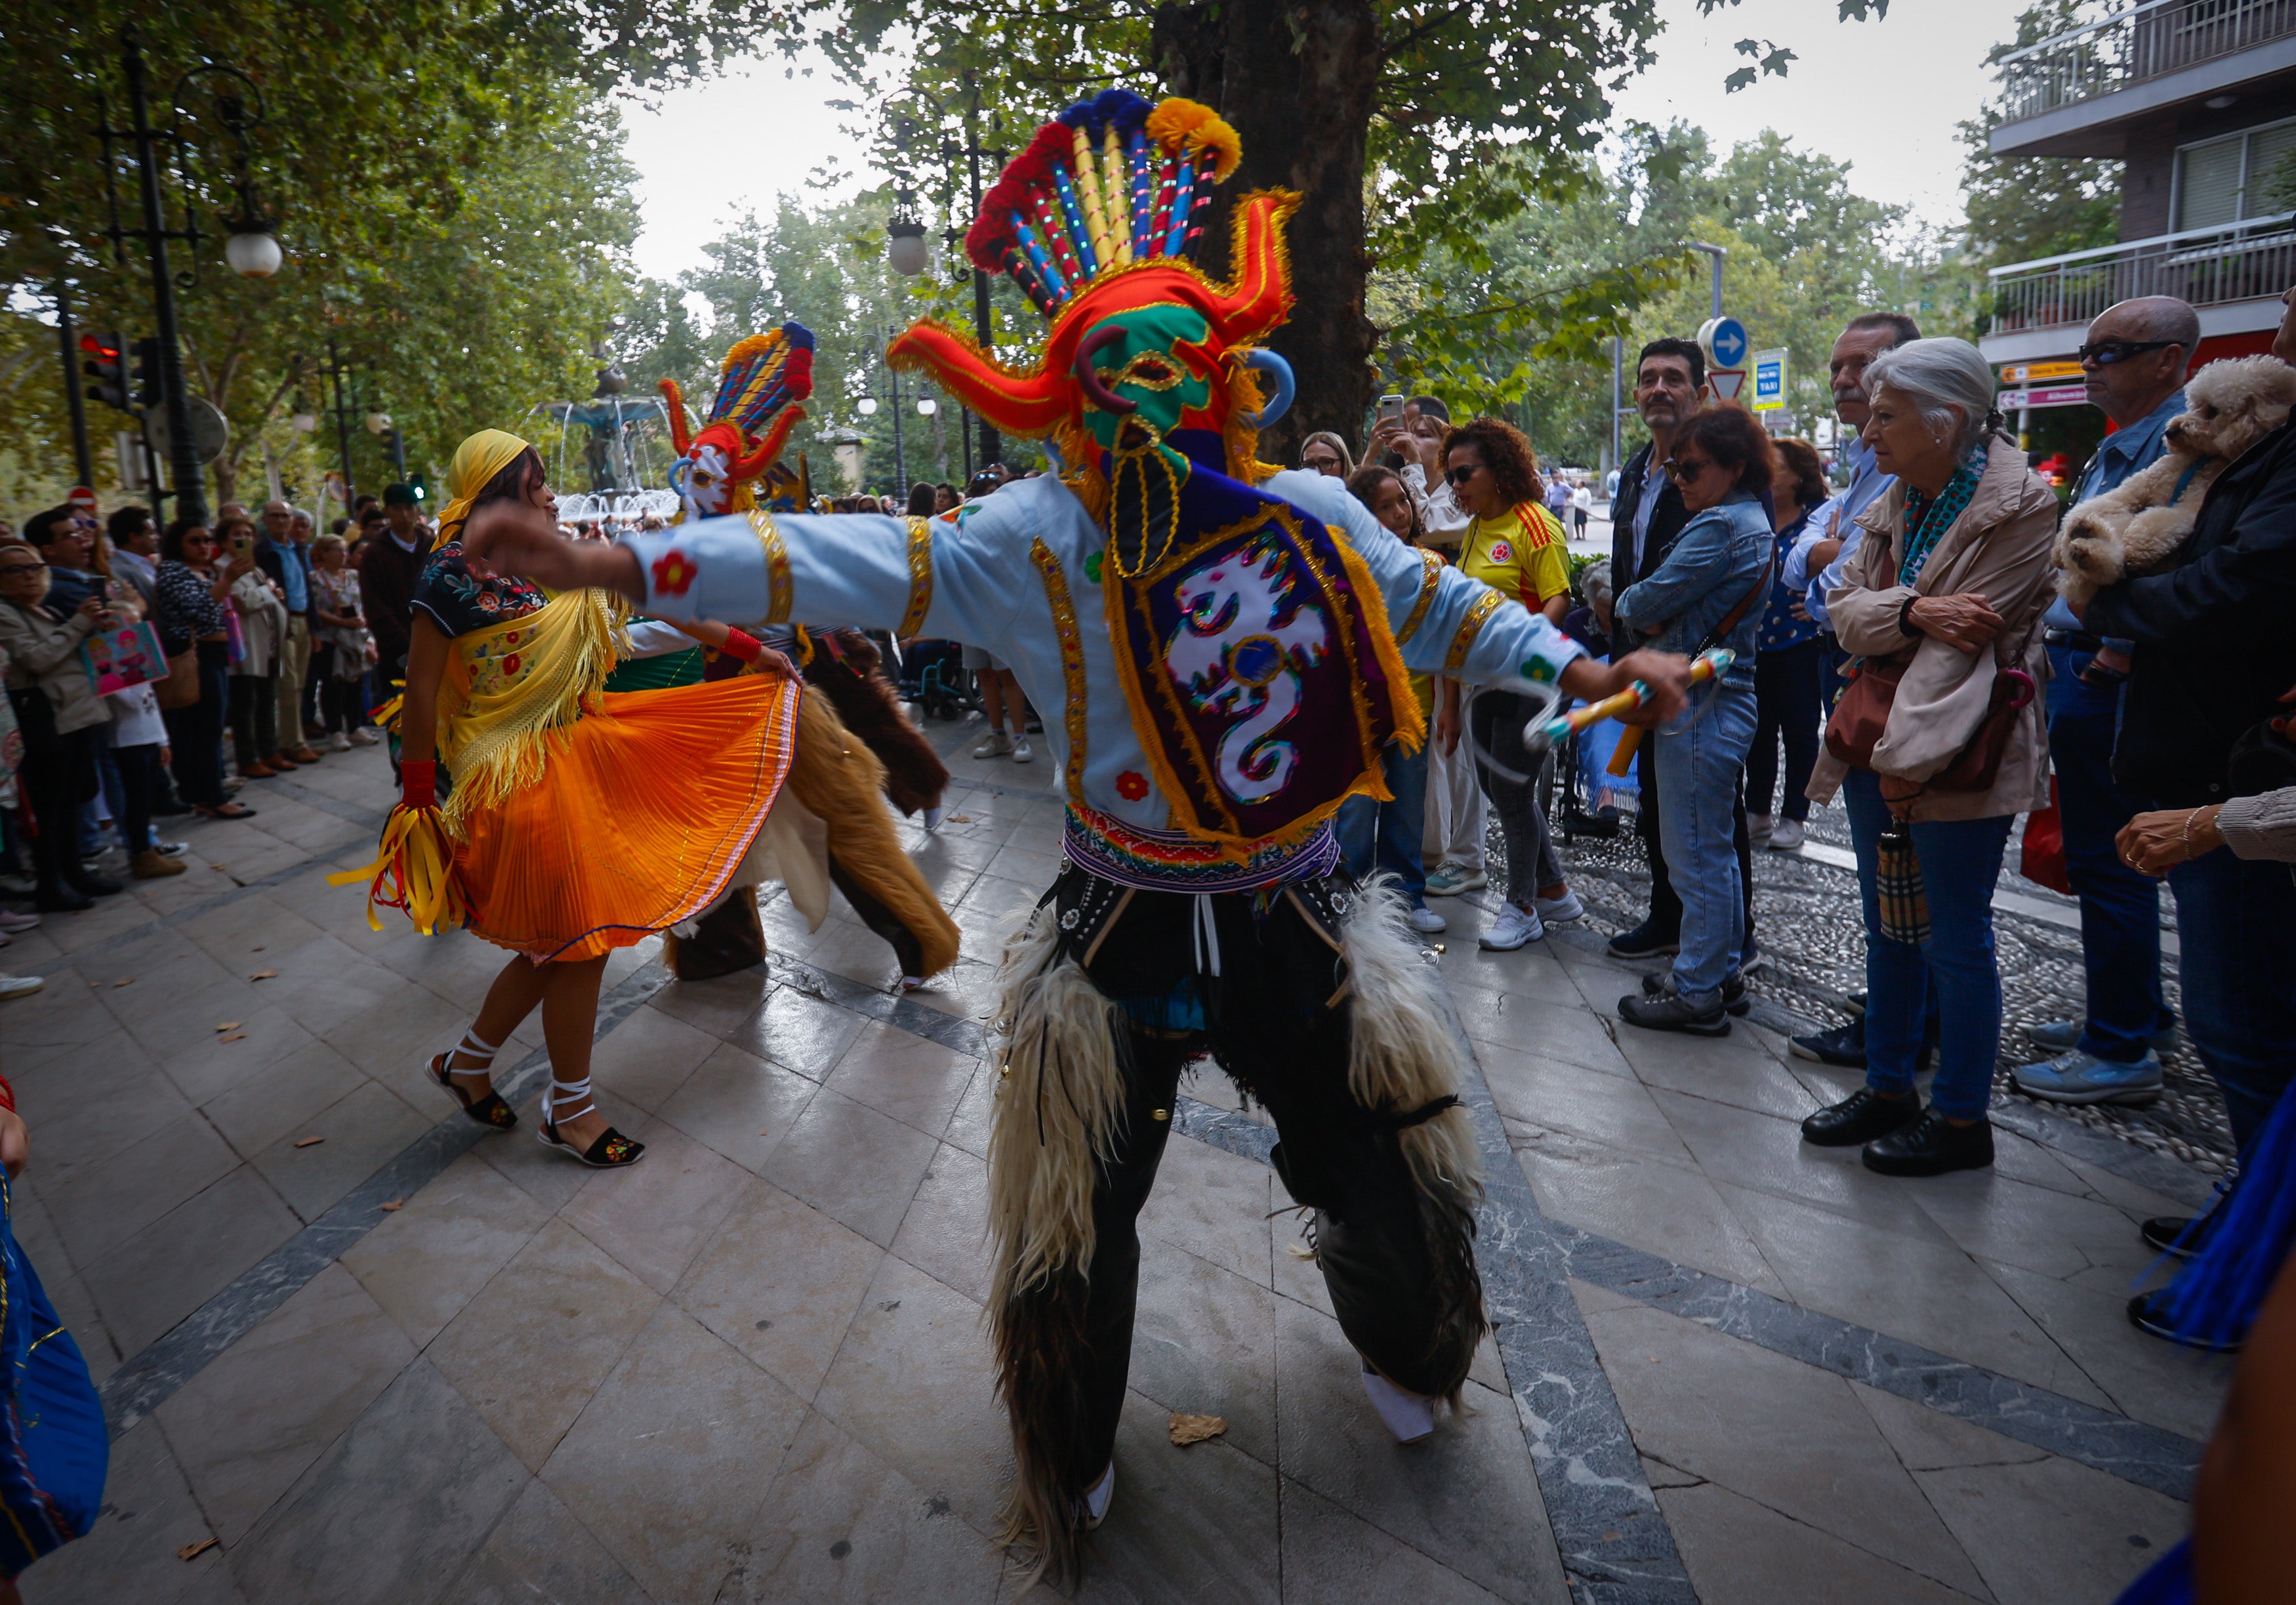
[(1960, 862), (1383, 837), (2237, 921), (1697, 768), (2120, 908)]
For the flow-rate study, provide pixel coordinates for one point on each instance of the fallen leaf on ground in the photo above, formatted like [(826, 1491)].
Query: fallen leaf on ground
[(960, 818), (307, 1141), (264, 975), (1195, 1429), (255, 950), (228, 1025), (192, 1552), (393, 1205), (125, 980), (215, 865), (235, 1036)]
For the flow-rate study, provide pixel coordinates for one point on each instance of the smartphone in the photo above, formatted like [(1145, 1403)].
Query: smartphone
[(1390, 405), (242, 545)]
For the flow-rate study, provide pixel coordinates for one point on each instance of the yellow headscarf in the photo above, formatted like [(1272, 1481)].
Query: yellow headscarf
[(477, 461)]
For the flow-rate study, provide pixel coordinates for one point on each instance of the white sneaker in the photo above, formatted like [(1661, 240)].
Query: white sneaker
[(1560, 910), (1097, 1497), (1788, 837), (338, 742), (933, 817), (363, 737), (1023, 752), (20, 986), (994, 745), (1513, 928), (1758, 827), (1405, 1414), (1426, 921)]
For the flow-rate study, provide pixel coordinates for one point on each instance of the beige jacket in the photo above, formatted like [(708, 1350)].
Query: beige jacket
[(262, 622), (2001, 549), (45, 652)]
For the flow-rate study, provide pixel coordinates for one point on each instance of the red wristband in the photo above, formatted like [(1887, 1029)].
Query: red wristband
[(7, 1096), (740, 643), (418, 782)]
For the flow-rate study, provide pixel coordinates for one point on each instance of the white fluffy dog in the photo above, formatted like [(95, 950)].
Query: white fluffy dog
[(2229, 406)]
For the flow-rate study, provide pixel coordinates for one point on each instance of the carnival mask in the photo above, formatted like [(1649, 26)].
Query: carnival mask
[(759, 384)]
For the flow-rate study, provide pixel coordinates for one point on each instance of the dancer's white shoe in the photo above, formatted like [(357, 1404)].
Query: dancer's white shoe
[(1408, 1415), (1096, 1498)]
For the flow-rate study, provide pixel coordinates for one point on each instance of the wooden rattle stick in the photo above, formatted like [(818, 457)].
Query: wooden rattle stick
[(1630, 739)]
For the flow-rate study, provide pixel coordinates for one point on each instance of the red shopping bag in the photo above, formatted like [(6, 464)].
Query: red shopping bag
[(2043, 862)]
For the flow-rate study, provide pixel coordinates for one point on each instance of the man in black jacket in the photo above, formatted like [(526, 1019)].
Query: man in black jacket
[(1645, 516), (2215, 650)]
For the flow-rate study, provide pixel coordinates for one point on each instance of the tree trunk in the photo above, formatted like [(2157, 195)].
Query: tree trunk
[(1299, 81)]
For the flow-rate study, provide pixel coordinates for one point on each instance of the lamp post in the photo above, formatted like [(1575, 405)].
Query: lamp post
[(252, 249), (82, 460), (906, 248), (339, 371)]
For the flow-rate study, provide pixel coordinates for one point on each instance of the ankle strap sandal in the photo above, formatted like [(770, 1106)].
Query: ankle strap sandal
[(487, 1107), (610, 1151)]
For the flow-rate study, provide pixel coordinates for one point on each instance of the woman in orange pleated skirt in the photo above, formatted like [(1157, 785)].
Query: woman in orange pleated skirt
[(576, 821)]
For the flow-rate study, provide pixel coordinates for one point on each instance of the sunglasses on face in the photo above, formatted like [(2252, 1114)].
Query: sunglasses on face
[(1682, 472), (2104, 353), (24, 568), (1463, 473)]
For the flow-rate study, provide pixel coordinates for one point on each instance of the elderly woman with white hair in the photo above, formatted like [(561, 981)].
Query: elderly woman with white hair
[(1937, 743)]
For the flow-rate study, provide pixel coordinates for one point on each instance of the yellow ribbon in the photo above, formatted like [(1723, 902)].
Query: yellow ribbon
[(413, 871)]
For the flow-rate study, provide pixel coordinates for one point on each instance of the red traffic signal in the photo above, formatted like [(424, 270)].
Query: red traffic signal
[(105, 367)]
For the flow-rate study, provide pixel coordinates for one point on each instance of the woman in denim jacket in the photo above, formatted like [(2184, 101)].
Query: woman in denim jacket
[(1714, 575)]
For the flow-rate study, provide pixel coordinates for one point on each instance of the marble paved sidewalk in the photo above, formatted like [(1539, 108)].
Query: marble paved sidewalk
[(411, 1363)]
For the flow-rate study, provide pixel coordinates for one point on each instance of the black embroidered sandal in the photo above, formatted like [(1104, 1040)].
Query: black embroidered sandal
[(488, 1108), (610, 1151)]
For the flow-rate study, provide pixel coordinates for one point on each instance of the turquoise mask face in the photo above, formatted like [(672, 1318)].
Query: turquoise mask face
[(1149, 366)]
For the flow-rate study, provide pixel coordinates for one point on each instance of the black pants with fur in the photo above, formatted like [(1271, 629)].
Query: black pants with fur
[(1398, 1262)]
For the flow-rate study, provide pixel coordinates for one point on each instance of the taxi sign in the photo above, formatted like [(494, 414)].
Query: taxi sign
[(1769, 381)]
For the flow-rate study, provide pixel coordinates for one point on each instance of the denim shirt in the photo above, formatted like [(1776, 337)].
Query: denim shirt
[(1710, 567)]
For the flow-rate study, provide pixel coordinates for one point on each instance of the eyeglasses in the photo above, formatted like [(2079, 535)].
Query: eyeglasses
[(1463, 473), (1682, 473), (23, 568), (1321, 464), (2104, 353)]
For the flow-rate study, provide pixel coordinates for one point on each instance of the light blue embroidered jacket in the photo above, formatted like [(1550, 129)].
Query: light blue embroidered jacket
[(1018, 571)]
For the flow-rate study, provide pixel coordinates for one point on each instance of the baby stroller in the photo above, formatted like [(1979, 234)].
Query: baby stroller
[(933, 676)]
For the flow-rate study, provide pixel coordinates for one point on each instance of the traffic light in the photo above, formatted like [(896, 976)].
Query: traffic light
[(143, 378), (104, 365)]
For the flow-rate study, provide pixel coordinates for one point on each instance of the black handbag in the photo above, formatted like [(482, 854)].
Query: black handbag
[(2263, 760)]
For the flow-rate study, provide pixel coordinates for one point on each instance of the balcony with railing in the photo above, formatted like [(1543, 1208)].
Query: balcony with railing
[(2250, 260), (2134, 45)]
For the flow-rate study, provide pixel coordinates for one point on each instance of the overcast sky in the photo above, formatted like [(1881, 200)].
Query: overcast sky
[(1884, 96)]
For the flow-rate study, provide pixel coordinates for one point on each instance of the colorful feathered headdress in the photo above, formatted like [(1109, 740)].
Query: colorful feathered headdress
[(1100, 217), (759, 385)]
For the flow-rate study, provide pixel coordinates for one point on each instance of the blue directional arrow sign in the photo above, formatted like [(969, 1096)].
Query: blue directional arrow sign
[(1728, 342)]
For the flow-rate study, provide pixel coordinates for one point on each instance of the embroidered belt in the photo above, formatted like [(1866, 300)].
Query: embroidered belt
[(1160, 861)]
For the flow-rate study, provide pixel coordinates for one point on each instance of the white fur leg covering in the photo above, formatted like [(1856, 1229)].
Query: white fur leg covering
[(1059, 1094), (1401, 1052)]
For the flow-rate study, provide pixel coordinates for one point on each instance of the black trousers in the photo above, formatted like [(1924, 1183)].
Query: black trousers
[(1785, 710), (195, 731), (139, 770), (1666, 903), (254, 718), (58, 774), (1398, 1264)]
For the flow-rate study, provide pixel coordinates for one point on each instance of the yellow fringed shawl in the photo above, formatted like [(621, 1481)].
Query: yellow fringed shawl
[(508, 687)]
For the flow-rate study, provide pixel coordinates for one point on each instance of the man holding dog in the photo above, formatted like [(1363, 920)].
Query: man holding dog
[(2133, 361), (2214, 657)]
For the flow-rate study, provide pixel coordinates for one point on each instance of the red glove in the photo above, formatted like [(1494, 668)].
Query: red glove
[(742, 646), (418, 783)]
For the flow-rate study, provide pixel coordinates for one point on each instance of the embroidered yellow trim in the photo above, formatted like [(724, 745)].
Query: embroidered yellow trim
[(780, 603), (1469, 627), (1433, 564), (920, 578), (1064, 625)]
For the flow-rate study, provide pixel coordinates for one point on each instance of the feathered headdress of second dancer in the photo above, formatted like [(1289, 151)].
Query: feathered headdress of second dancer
[(759, 386), (1234, 609)]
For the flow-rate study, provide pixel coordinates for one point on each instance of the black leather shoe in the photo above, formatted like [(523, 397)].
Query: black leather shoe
[(62, 901), (1843, 1047), (1646, 941), (1735, 1001), (1931, 1146), (2160, 1234), (2145, 1314), (1854, 1002), (1671, 1011), (1859, 1118), (94, 885)]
